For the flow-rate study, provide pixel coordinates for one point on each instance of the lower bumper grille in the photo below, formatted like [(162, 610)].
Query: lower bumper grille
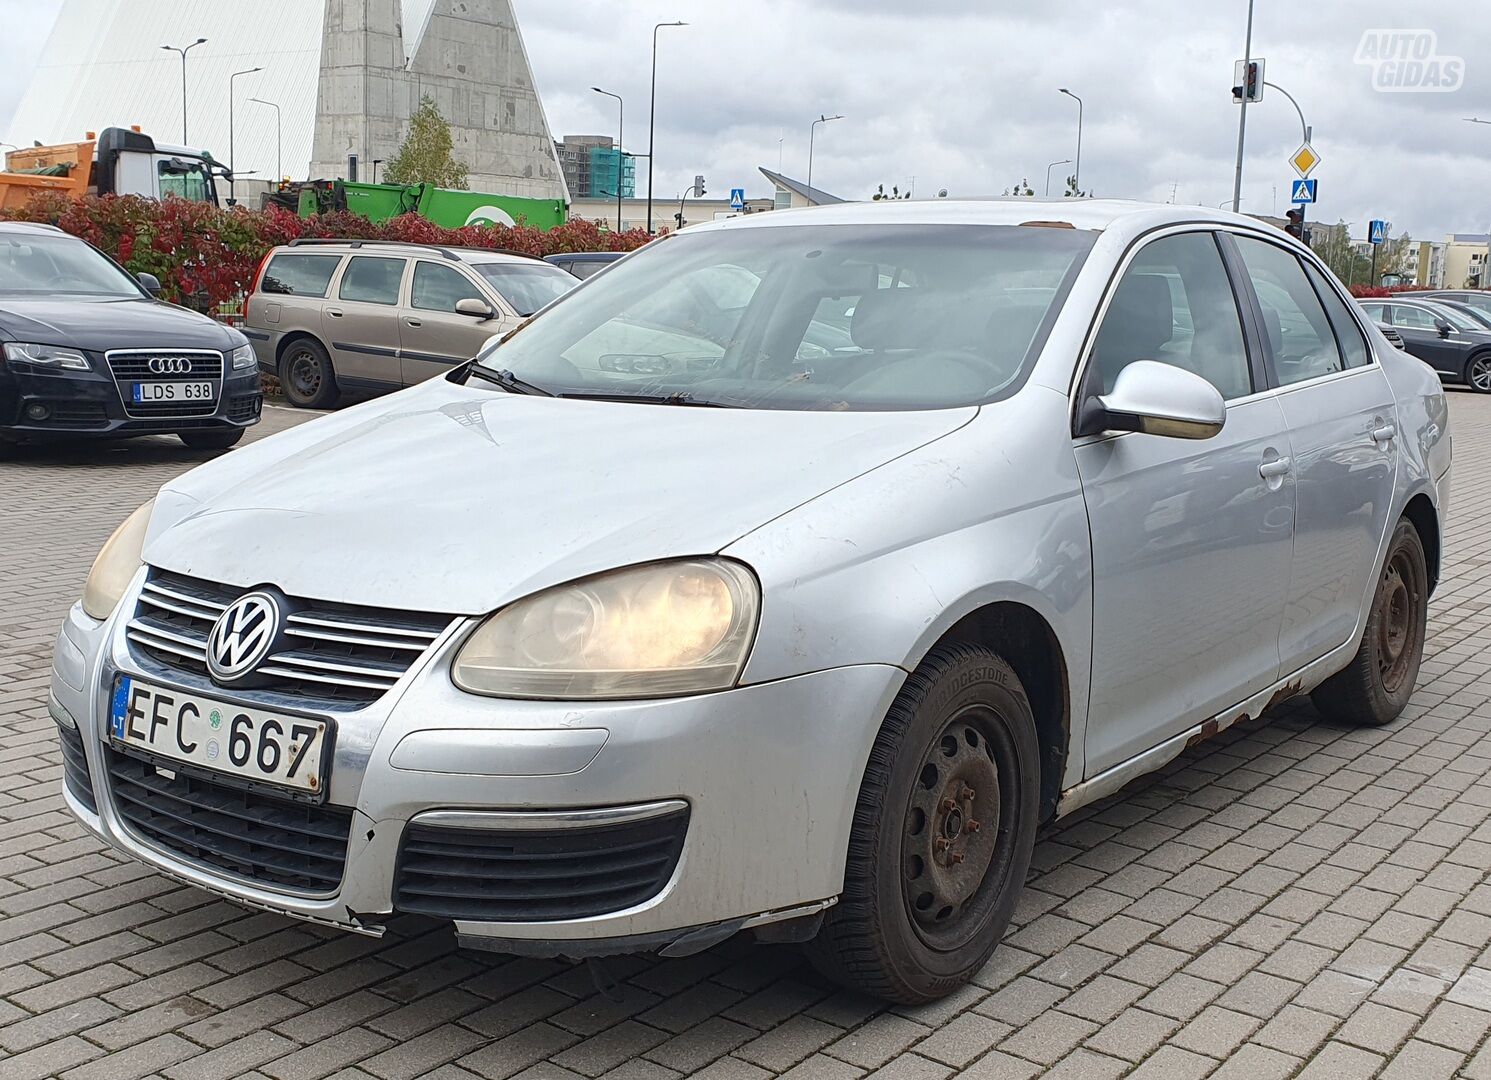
[(79, 414), (264, 840), (75, 767), (535, 876), (244, 408)]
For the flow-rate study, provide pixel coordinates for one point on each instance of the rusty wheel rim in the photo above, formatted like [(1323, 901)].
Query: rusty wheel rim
[(955, 835), (1397, 621)]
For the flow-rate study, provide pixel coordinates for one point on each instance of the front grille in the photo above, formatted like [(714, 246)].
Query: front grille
[(339, 654), (244, 407), (75, 767), (133, 365), (535, 875), (79, 413), (258, 838)]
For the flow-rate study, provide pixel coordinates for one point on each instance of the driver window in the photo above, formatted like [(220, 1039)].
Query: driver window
[(1175, 304), (1414, 318), (1301, 344)]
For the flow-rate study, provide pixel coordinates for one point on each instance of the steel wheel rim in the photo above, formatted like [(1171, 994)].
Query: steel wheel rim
[(957, 838), (1480, 374), (1397, 622), (305, 374)]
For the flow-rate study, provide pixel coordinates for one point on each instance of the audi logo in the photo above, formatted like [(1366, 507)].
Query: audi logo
[(170, 365)]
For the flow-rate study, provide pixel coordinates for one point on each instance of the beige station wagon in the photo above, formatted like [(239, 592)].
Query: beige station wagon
[(365, 317)]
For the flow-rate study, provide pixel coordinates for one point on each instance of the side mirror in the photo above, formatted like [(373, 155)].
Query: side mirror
[(1157, 399), (477, 309), (149, 282), (1444, 328)]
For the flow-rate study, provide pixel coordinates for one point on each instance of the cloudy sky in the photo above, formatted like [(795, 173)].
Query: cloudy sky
[(963, 96)]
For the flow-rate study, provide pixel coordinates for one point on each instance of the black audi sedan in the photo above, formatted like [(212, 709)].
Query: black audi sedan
[(87, 351)]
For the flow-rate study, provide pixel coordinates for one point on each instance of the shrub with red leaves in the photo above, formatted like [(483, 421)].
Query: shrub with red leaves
[(204, 256)]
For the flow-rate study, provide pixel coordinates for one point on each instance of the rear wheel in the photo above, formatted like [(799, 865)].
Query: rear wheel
[(210, 440), (306, 375), (943, 832), (1478, 373), (1376, 685)]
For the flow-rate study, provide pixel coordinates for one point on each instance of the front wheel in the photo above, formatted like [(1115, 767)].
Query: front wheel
[(210, 440), (306, 375), (1374, 688), (1478, 373), (943, 832)]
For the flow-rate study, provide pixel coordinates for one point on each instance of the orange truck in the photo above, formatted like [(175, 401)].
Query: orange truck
[(118, 161)]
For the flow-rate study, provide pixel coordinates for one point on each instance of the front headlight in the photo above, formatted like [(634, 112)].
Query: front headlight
[(681, 627), (243, 357), (116, 564), (46, 356)]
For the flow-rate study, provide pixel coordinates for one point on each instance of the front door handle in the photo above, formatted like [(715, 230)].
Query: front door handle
[(1270, 470), (335, 313), (412, 322), (1384, 434)]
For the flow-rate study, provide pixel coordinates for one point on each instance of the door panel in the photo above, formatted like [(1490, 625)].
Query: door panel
[(1423, 340), (1191, 550), (361, 321), (434, 337)]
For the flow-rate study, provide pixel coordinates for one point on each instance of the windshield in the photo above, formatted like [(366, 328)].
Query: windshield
[(40, 265), (184, 178), (527, 287), (809, 317)]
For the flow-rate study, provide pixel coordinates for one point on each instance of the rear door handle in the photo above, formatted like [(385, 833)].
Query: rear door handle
[(1384, 434), (335, 313), (1277, 467)]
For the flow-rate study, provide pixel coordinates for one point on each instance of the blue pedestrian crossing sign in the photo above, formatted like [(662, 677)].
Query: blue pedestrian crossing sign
[(737, 198), (1377, 232), (1302, 191)]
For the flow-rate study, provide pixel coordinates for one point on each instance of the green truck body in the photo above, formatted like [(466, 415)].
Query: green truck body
[(452, 209)]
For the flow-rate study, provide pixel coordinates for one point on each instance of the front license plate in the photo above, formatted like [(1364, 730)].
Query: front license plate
[(246, 742), (143, 392)]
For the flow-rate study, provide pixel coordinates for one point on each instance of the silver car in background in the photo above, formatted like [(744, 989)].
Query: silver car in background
[(783, 578)]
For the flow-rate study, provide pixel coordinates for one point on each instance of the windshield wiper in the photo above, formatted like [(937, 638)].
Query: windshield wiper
[(506, 380), (678, 397)]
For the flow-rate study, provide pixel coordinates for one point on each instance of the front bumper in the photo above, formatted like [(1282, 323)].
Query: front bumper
[(40, 404), (769, 775)]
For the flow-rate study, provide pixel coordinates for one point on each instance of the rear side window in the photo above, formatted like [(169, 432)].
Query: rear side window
[(1301, 343), (1348, 334), (372, 280), (299, 275)]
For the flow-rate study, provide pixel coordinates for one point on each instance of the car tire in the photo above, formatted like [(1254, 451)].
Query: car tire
[(929, 887), (210, 440), (306, 375), (1478, 373), (1374, 688)]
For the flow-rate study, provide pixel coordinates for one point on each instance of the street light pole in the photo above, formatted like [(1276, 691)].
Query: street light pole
[(232, 159), (1242, 116), (620, 132), (812, 131), (183, 52), (1063, 161), (279, 144), (652, 117), (1077, 172)]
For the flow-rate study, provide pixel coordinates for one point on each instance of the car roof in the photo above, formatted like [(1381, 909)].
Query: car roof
[(31, 227), (584, 256), (334, 246)]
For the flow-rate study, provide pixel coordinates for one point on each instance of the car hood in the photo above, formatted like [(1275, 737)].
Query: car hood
[(100, 324), (461, 499)]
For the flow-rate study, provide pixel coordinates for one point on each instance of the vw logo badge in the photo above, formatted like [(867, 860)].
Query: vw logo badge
[(170, 365), (242, 636)]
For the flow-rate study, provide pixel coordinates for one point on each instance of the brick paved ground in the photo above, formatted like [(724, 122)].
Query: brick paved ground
[(1293, 898)]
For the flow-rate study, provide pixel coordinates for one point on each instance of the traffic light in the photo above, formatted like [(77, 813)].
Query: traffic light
[(698, 187), (1247, 80), (1252, 84)]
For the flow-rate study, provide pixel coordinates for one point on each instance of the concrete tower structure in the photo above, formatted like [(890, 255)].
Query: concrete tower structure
[(380, 57)]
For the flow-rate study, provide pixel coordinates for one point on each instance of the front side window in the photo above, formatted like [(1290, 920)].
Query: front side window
[(184, 179), (299, 275), (372, 280), (1413, 318), (1301, 343), (1175, 304), (440, 288), (42, 265), (883, 316)]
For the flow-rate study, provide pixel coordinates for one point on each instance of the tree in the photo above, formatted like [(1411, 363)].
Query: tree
[(895, 193), (1072, 191), (425, 156), (1023, 188)]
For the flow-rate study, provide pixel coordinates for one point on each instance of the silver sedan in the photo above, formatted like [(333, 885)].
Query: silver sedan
[(785, 577)]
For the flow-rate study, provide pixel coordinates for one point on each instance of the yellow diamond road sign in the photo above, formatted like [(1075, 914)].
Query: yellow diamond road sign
[(1304, 159)]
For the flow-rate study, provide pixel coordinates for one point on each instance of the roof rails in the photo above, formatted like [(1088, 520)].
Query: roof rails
[(306, 241), (449, 253)]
